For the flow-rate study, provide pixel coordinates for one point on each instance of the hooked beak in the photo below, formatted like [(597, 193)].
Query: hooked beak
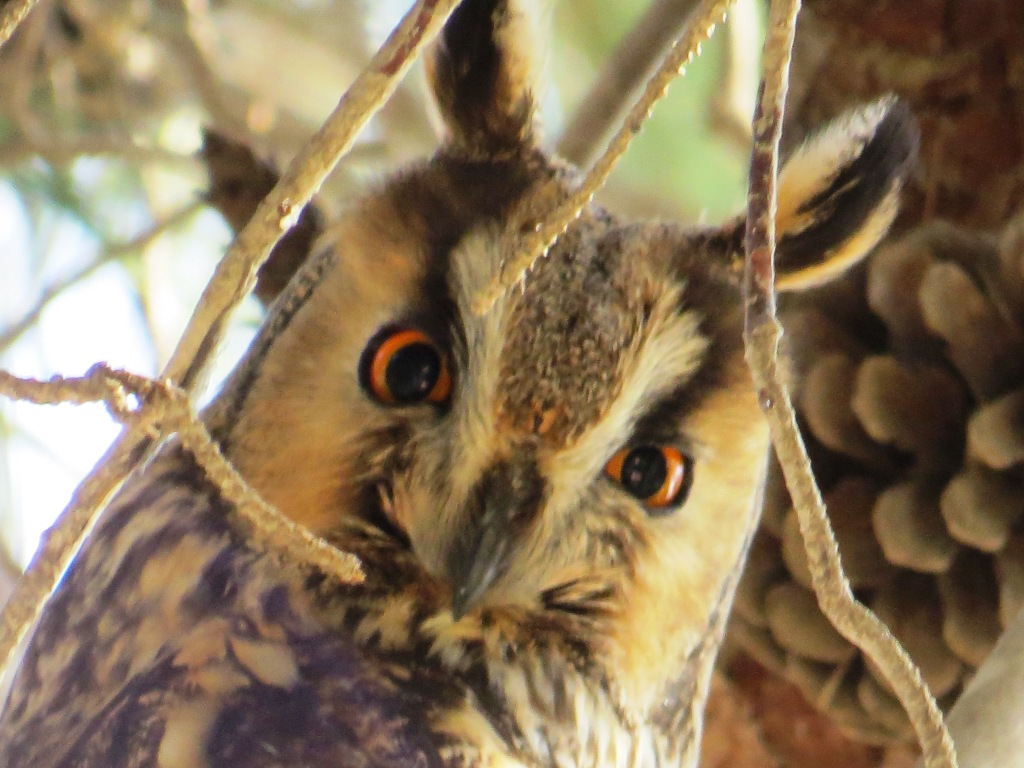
[(503, 505)]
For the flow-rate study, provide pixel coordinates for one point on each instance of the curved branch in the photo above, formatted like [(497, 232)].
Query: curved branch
[(137, 400), (762, 334)]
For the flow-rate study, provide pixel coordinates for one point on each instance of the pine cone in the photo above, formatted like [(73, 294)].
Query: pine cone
[(910, 391)]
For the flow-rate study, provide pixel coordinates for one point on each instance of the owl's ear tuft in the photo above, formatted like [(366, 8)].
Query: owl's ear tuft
[(482, 76), (839, 192)]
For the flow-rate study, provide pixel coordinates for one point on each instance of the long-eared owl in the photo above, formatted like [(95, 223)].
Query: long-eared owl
[(550, 499)]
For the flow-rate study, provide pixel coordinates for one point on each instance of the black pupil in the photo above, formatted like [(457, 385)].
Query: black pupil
[(412, 372), (644, 471)]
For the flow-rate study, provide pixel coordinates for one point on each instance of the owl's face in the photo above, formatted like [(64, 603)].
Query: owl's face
[(590, 447), (581, 463)]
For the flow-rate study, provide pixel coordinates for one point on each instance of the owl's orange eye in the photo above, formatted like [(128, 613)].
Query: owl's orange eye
[(403, 366), (658, 475)]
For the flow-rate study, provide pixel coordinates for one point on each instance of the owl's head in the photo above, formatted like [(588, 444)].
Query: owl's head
[(584, 457)]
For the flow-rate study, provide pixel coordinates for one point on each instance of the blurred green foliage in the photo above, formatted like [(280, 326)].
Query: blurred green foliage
[(677, 156)]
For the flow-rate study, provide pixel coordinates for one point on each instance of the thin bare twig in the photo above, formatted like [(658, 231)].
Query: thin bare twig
[(165, 409), (115, 253), (524, 251), (761, 336), (236, 273), (12, 16), (625, 70)]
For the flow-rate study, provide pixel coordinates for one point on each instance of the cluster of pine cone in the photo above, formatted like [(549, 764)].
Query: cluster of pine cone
[(909, 384)]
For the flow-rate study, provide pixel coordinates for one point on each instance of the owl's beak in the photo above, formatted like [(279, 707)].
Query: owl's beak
[(505, 502)]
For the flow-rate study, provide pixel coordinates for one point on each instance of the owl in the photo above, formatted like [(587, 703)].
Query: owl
[(550, 499)]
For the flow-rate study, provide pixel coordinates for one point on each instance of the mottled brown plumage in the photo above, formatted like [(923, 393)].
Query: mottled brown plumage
[(525, 603)]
